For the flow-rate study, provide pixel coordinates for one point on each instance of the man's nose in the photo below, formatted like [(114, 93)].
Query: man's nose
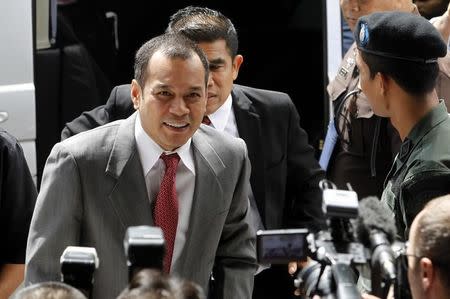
[(178, 106), (210, 81)]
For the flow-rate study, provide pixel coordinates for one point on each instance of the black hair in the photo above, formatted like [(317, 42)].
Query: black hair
[(202, 24), (172, 45), (416, 78)]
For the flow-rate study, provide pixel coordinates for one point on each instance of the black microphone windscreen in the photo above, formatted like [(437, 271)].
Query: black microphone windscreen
[(374, 215)]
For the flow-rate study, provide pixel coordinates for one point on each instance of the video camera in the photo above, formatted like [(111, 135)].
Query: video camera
[(358, 235)]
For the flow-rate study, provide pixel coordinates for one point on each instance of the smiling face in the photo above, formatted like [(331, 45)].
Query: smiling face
[(352, 10), (223, 71), (172, 102)]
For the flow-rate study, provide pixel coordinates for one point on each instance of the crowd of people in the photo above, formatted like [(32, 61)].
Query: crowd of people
[(211, 162)]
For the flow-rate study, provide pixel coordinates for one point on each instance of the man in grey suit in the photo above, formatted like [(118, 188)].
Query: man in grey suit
[(285, 175), (100, 182)]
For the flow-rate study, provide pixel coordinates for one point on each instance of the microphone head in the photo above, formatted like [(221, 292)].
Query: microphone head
[(374, 215)]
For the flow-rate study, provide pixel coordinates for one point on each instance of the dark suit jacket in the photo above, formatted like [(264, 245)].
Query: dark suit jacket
[(285, 174)]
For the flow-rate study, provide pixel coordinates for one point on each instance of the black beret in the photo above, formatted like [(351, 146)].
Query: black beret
[(399, 35)]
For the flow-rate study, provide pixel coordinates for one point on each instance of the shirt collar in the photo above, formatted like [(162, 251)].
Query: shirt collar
[(219, 118), (150, 151), (428, 122)]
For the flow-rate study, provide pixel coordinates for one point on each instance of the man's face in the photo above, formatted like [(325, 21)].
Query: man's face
[(352, 10), (173, 100), (223, 71), (370, 87)]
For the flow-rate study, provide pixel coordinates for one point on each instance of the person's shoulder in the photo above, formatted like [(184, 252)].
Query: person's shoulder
[(121, 94), (434, 144), (87, 141), (7, 140), (263, 96), (221, 142), (10, 147)]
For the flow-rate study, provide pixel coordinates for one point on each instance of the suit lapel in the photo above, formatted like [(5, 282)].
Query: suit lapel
[(129, 195), (208, 201), (249, 128)]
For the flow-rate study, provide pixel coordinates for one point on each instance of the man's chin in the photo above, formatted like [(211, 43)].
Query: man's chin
[(212, 105)]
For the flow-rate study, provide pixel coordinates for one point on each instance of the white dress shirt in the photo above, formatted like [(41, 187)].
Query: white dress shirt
[(223, 118), (153, 169)]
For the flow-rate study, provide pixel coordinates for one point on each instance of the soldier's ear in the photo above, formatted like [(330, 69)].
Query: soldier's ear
[(383, 83), (136, 94)]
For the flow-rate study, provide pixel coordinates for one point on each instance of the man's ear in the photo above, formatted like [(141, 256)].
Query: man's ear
[(383, 83), (136, 94), (384, 86), (427, 273), (237, 61)]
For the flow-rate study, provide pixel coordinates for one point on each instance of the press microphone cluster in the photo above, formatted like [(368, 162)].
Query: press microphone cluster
[(359, 236), (375, 228)]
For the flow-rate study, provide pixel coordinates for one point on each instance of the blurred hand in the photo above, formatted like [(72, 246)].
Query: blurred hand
[(298, 265)]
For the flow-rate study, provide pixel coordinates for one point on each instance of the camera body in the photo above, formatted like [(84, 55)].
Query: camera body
[(144, 248), (78, 265), (281, 246), (333, 250)]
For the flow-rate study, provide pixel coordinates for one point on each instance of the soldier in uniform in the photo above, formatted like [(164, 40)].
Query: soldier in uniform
[(397, 60), (366, 144)]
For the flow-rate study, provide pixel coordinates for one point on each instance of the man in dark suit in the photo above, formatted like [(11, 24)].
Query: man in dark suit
[(157, 167), (285, 175)]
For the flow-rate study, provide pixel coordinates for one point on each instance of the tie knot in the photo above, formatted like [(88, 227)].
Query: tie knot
[(206, 120), (170, 160)]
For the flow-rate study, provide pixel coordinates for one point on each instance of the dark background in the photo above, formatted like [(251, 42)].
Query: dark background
[(281, 41)]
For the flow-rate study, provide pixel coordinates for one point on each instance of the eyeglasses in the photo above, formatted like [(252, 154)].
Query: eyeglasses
[(404, 256)]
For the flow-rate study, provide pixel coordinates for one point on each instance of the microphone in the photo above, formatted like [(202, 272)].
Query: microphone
[(375, 228)]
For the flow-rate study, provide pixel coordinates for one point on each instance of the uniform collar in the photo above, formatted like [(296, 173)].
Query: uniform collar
[(422, 127), (428, 122)]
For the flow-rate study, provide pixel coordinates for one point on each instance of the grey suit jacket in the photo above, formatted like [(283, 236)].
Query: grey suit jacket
[(93, 189)]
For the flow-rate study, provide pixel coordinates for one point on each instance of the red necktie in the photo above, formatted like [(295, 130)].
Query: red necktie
[(206, 120), (165, 213)]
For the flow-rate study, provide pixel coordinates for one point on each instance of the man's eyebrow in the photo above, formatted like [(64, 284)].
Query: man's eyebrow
[(161, 85), (217, 61), (195, 88)]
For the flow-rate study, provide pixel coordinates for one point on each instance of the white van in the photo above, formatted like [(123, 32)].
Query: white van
[(17, 96)]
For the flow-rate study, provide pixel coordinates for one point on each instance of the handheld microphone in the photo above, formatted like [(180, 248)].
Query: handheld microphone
[(375, 228), (78, 265)]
